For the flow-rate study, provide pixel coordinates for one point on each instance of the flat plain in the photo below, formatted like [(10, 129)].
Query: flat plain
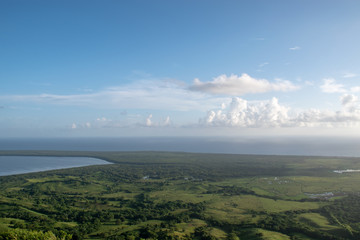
[(174, 195)]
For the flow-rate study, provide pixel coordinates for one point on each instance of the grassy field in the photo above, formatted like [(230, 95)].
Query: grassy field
[(161, 195)]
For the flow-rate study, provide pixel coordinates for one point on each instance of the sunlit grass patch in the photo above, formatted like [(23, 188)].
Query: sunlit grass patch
[(44, 179), (174, 195), (347, 182), (250, 202), (270, 235), (65, 224), (183, 229), (318, 220), (233, 216)]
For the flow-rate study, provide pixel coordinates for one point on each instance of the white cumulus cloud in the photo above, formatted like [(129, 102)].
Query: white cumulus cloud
[(241, 113), (148, 121), (240, 85), (350, 102), (167, 121), (348, 99)]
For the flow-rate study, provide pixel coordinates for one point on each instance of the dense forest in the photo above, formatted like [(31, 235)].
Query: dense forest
[(161, 195)]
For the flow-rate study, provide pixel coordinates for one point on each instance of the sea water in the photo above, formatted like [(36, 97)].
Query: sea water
[(306, 146)]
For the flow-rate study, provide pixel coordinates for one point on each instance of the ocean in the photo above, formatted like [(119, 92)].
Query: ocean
[(308, 146)]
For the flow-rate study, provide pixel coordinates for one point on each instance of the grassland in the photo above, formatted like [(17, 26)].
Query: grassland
[(161, 195)]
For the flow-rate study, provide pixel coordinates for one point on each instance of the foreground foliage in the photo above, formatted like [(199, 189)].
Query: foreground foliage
[(155, 195)]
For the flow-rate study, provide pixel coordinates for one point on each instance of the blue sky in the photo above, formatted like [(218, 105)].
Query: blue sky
[(179, 68)]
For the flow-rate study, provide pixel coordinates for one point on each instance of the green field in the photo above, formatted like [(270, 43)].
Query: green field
[(162, 195)]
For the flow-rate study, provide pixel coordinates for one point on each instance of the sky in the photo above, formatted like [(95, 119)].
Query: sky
[(179, 68)]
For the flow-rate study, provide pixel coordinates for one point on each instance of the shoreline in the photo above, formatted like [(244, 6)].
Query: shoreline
[(11, 165)]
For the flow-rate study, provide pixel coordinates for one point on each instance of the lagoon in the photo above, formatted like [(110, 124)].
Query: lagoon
[(11, 165)]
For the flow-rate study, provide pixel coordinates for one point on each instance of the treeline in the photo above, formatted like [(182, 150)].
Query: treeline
[(22, 234)]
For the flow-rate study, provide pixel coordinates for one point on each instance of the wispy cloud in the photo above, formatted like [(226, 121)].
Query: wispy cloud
[(141, 120), (330, 86), (153, 95), (355, 89), (161, 94), (263, 64), (295, 48), (349, 75), (309, 83), (240, 85), (81, 126)]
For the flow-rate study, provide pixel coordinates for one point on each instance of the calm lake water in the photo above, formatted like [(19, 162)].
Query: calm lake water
[(10, 165)]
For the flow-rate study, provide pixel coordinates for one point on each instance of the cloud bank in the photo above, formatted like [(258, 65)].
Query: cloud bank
[(241, 113), (240, 85), (162, 94), (157, 99)]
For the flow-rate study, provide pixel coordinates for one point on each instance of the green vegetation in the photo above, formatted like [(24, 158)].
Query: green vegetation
[(160, 195)]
